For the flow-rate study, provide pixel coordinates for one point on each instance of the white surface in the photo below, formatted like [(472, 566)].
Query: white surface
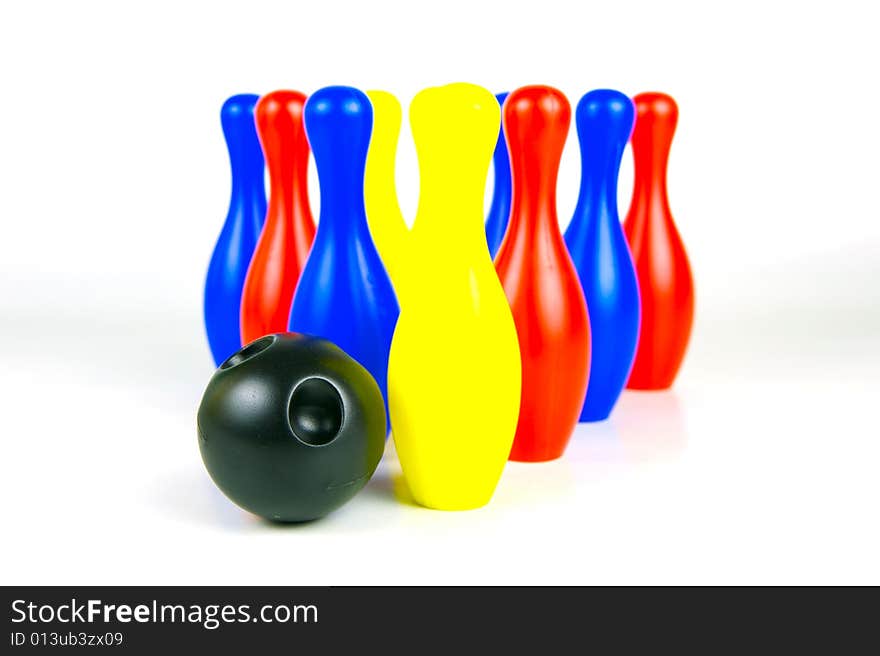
[(760, 467)]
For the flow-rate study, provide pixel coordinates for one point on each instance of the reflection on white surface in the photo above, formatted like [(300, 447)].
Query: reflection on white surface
[(596, 443), (190, 497), (650, 425), (746, 471), (645, 427)]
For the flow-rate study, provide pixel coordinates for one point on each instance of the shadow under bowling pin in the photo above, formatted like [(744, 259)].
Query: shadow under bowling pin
[(598, 247), (499, 210), (454, 375), (387, 226), (651, 427), (665, 280), (238, 238), (596, 445), (540, 280), (289, 229), (344, 294)]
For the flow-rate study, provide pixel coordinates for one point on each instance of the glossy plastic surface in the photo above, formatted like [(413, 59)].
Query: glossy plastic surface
[(290, 427), (344, 294), (499, 211), (387, 226), (238, 238), (454, 374), (289, 229), (599, 250), (540, 280), (665, 280)]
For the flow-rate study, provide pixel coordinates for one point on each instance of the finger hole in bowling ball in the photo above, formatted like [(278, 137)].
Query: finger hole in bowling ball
[(249, 351), (315, 412)]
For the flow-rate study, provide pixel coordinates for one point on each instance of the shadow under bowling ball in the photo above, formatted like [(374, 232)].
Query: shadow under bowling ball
[(650, 425), (291, 428)]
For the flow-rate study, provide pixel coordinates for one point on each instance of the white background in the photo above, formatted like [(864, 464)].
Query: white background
[(762, 464)]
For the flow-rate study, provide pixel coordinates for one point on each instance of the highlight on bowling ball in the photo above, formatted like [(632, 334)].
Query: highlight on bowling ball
[(290, 427)]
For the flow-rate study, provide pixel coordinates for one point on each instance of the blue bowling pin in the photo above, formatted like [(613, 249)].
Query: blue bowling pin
[(599, 249), (499, 210), (344, 294), (238, 238)]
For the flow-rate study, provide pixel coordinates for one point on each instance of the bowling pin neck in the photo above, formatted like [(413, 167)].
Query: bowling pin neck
[(343, 213), (338, 123), (649, 208), (247, 180), (536, 121), (342, 204), (534, 197), (455, 128), (604, 125), (451, 212), (245, 154), (650, 200), (279, 117), (656, 119), (499, 210), (452, 189), (501, 170), (341, 166), (650, 173), (289, 188), (501, 177), (294, 188), (379, 184), (600, 166)]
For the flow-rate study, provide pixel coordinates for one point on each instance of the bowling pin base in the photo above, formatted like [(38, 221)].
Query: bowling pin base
[(452, 505), (649, 385), (592, 418), (547, 459), (533, 455), (593, 411)]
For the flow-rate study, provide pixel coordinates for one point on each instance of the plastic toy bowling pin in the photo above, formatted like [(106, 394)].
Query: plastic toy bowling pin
[(387, 226), (665, 281), (238, 238), (344, 294), (499, 210), (454, 375), (289, 229), (599, 250), (540, 280)]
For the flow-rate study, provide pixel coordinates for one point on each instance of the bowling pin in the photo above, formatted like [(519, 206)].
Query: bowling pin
[(289, 229), (665, 280), (499, 210), (454, 375), (344, 294), (540, 280), (387, 226), (599, 250), (238, 238)]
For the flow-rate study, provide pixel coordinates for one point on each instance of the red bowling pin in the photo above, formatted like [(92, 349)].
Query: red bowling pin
[(540, 280), (289, 229), (665, 280)]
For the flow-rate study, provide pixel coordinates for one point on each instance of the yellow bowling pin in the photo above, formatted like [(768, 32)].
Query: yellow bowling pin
[(454, 371), (387, 226)]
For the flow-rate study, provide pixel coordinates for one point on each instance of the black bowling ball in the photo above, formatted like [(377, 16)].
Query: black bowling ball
[(291, 427)]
